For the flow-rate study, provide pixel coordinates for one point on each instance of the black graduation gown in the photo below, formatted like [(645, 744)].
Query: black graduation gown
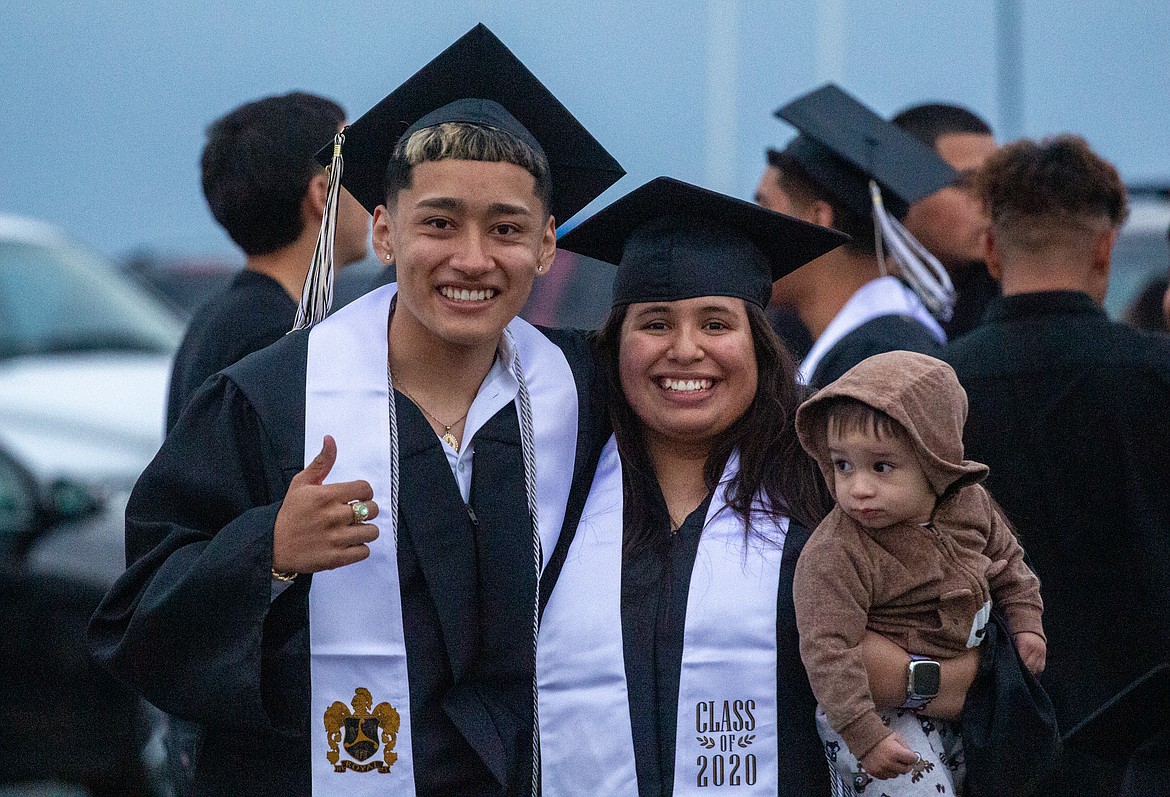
[(876, 336), (254, 311), (191, 624), (655, 585), (1072, 414)]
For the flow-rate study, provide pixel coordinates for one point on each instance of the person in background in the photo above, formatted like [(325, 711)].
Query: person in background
[(951, 222), (266, 189), (783, 317), (1072, 414), (851, 170)]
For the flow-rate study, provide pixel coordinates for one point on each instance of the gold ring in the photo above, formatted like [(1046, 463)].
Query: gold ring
[(361, 511)]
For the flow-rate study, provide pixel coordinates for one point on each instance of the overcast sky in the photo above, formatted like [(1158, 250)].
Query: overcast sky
[(105, 103)]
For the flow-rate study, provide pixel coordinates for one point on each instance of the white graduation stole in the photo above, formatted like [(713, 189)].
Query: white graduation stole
[(586, 744), (879, 297), (360, 739), (726, 739), (729, 655)]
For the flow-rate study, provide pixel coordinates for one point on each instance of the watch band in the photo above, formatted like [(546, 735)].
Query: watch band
[(916, 703)]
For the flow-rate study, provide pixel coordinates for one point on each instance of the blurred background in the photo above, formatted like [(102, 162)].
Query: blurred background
[(107, 246)]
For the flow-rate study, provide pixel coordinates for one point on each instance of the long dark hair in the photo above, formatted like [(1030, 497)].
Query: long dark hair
[(771, 459)]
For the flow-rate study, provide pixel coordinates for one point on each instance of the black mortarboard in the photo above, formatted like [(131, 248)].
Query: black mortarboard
[(477, 79), (671, 240), (843, 144), (1134, 714)]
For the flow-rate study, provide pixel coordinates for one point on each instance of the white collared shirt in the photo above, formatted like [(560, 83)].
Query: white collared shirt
[(499, 388), (880, 297)]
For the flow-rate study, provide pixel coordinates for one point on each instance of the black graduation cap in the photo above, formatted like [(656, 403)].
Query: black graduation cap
[(843, 144), (672, 240), (477, 79), (1134, 714)]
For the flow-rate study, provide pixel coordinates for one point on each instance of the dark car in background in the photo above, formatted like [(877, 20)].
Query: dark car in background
[(66, 726)]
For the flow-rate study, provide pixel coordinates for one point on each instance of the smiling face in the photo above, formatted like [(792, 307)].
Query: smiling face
[(688, 367), (467, 237), (876, 477)]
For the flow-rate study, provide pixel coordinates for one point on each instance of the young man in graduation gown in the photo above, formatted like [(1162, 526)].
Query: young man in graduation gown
[(851, 170), (1072, 414), (267, 191), (413, 456), (951, 222)]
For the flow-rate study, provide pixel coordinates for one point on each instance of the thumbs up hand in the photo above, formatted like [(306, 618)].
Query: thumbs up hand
[(320, 526)]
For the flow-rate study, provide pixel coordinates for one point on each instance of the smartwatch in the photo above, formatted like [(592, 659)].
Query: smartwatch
[(923, 682)]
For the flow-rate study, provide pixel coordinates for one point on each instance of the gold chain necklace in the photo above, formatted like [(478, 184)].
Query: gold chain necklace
[(448, 437)]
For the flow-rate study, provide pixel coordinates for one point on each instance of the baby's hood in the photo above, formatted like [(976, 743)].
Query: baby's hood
[(919, 392)]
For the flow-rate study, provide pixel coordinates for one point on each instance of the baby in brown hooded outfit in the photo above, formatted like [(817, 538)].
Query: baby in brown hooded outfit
[(915, 550)]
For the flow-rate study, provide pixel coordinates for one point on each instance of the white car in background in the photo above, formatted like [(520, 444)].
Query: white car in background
[(1142, 254), (85, 357)]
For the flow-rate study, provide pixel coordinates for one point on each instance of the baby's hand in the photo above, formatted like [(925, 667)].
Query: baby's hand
[(890, 758), (1033, 651)]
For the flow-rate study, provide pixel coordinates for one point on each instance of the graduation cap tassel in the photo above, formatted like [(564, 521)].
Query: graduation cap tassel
[(317, 295), (916, 266), (878, 241)]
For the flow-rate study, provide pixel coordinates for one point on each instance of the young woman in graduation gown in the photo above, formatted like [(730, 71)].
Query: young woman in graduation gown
[(698, 512), (668, 656)]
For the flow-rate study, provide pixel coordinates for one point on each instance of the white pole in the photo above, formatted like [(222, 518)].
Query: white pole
[(830, 52), (1009, 68), (722, 62)]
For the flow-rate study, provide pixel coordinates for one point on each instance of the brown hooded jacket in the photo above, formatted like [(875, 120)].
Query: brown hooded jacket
[(920, 586)]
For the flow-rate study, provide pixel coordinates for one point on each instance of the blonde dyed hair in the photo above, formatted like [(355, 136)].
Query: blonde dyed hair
[(466, 141)]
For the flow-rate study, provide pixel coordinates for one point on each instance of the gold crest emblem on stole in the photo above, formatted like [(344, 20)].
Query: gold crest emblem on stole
[(361, 733)]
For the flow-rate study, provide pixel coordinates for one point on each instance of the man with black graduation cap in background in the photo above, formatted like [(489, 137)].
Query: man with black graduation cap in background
[(872, 295), (267, 191), (409, 666)]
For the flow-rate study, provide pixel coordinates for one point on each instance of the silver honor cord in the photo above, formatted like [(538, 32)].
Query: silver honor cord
[(393, 458), (528, 451), (317, 294), (917, 267), (528, 454)]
